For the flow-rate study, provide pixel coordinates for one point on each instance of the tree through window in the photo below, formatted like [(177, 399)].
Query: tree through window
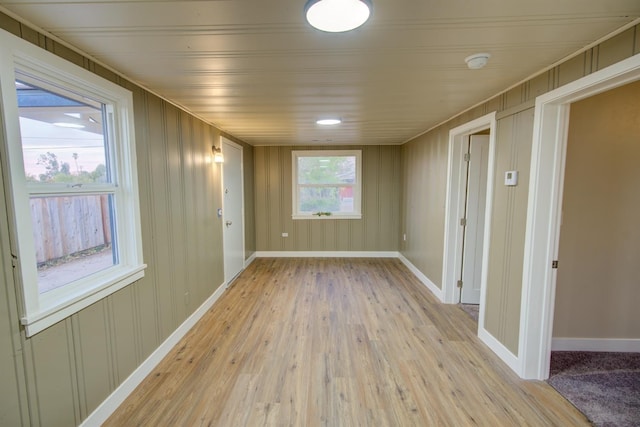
[(326, 184)]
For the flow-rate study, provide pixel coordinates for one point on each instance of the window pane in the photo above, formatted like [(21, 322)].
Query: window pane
[(63, 138), (327, 170), (73, 237), (326, 199)]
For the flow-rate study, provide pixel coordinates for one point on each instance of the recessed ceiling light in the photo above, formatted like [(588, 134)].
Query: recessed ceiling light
[(337, 16), (328, 122), (477, 61)]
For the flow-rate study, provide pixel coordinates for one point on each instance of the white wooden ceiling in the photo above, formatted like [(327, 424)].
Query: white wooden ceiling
[(256, 70)]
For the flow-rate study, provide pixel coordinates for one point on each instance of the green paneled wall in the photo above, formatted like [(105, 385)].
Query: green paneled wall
[(59, 376), (378, 230), (425, 191)]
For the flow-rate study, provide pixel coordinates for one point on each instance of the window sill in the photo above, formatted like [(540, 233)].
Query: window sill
[(352, 216), (53, 313)]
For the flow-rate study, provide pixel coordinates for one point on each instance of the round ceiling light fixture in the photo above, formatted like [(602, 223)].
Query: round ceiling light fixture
[(477, 61), (337, 16), (328, 122)]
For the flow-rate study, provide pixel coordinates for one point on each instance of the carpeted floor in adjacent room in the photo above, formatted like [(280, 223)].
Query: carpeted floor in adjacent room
[(603, 386)]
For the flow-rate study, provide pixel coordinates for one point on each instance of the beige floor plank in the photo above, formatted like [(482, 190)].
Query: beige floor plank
[(337, 342)]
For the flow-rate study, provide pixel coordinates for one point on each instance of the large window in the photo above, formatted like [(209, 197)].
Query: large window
[(71, 161), (326, 184)]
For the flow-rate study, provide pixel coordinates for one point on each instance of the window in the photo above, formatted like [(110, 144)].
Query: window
[(326, 184), (71, 161)]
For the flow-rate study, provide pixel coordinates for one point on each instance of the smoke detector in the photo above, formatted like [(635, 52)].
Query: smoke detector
[(477, 61)]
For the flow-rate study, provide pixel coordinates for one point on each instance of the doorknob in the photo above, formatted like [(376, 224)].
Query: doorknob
[(228, 223)]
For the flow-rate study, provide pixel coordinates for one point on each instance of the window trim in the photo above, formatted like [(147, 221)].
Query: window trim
[(39, 311), (357, 186)]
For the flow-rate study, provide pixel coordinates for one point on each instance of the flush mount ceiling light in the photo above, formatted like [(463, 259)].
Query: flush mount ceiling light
[(337, 16), (477, 61), (328, 122)]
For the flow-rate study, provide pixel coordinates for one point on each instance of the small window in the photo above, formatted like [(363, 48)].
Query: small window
[(73, 182), (326, 184)]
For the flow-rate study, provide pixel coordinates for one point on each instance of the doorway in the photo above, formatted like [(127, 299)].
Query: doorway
[(233, 210), (544, 215), (476, 157), (468, 206)]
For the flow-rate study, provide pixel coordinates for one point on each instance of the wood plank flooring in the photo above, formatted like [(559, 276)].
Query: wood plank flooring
[(337, 342)]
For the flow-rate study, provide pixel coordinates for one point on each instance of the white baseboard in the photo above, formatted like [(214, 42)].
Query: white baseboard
[(500, 350), (424, 279), (596, 344), (249, 260), (325, 254), (115, 399)]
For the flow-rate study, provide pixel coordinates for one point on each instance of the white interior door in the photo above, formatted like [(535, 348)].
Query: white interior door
[(475, 217), (232, 210)]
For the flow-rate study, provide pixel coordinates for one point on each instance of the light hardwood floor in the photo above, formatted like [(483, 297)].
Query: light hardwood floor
[(337, 342)]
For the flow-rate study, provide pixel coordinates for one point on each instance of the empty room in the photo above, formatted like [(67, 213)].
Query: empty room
[(319, 212)]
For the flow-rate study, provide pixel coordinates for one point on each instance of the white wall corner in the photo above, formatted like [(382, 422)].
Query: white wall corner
[(115, 399)]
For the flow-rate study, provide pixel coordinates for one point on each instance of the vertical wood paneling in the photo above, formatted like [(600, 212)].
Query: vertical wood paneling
[(62, 374), (571, 70), (147, 310), (123, 305), (425, 162), (161, 243), (616, 49), (381, 192), (513, 152), (52, 377), (93, 356), (176, 263)]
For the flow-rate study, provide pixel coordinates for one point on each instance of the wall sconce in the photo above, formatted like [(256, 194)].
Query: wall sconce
[(217, 154)]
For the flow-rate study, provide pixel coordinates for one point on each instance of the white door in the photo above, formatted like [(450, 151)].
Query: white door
[(232, 210), (475, 216)]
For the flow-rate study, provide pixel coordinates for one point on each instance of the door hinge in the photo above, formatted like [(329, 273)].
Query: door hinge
[(459, 284), (463, 222), (14, 261), (467, 157), (554, 264)]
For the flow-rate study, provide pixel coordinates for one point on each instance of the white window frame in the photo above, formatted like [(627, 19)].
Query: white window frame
[(357, 186), (40, 311)]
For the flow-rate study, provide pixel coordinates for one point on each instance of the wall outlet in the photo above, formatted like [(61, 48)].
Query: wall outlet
[(285, 234), (404, 237)]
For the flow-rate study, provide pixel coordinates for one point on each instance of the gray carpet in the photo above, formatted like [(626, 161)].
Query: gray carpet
[(472, 310), (603, 386)]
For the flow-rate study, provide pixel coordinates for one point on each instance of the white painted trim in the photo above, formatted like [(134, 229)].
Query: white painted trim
[(227, 141), (543, 212), (435, 290), (249, 260), (499, 349), (325, 254), (618, 345), (115, 399), (454, 205)]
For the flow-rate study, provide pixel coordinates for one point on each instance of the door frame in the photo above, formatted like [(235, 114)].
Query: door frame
[(227, 141), (551, 124), (454, 207)]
